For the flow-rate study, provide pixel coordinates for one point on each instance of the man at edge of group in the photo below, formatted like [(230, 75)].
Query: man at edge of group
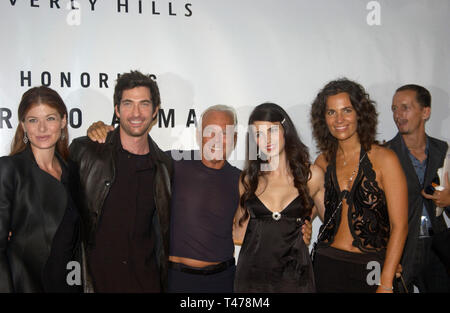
[(421, 156)]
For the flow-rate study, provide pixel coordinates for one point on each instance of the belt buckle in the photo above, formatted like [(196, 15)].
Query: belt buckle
[(424, 231)]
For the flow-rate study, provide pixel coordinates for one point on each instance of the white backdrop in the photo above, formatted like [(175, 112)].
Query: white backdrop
[(235, 52)]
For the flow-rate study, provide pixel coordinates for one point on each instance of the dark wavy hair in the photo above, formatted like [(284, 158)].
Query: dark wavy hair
[(296, 153), (365, 111), (32, 97), (135, 79)]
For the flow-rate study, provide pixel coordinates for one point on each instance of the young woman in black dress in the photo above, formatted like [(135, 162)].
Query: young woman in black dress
[(278, 189)]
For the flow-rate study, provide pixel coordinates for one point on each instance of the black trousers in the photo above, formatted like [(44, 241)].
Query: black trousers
[(430, 274), (186, 279), (339, 271)]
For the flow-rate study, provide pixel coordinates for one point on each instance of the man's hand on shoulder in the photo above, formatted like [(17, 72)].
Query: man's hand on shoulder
[(307, 232), (98, 131)]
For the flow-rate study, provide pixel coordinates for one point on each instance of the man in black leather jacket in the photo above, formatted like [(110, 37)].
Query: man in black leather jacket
[(125, 195)]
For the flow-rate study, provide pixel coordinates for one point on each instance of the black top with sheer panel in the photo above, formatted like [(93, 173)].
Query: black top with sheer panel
[(368, 217)]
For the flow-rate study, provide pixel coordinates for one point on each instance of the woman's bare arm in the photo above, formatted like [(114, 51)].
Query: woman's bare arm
[(239, 229), (395, 188)]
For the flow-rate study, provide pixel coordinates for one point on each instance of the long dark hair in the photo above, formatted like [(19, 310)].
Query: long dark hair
[(365, 110), (34, 96), (297, 156)]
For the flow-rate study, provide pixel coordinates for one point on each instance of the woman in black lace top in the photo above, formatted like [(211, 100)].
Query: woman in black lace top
[(365, 220)]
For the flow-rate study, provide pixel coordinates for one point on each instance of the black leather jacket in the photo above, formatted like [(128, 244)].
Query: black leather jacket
[(97, 168)]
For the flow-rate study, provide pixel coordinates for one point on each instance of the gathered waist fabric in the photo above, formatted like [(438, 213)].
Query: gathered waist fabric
[(351, 257)]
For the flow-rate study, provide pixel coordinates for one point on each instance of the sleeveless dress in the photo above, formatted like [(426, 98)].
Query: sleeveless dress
[(273, 256)]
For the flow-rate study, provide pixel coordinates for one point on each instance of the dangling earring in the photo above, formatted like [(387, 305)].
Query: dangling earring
[(63, 135), (25, 138)]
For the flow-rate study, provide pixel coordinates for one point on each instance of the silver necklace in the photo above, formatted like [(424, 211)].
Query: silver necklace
[(354, 172), (345, 161)]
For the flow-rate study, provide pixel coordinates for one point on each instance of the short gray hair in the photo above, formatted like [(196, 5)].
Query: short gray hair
[(221, 108)]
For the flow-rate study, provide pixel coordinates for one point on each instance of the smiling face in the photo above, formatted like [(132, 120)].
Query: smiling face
[(269, 136), (218, 136), (136, 111), (341, 117), (43, 125), (408, 114)]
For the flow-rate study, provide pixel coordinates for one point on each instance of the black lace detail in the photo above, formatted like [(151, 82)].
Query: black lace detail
[(331, 200), (367, 209)]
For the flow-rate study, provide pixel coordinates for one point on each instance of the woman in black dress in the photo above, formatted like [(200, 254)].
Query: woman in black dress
[(278, 189), (39, 223)]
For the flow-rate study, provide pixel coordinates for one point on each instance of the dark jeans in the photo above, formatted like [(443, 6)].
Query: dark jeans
[(430, 274), (181, 282)]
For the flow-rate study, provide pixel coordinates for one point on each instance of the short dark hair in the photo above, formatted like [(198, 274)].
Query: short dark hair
[(423, 96), (135, 79), (361, 102)]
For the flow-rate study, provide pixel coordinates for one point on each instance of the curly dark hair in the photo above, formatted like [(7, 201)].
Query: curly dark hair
[(296, 153), (361, 102)]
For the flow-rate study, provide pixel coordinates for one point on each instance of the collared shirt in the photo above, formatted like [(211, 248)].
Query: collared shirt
[(420, 169), (123, 258)]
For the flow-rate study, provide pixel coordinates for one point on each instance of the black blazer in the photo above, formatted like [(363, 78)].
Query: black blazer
[(32, 205), (436, 155)]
